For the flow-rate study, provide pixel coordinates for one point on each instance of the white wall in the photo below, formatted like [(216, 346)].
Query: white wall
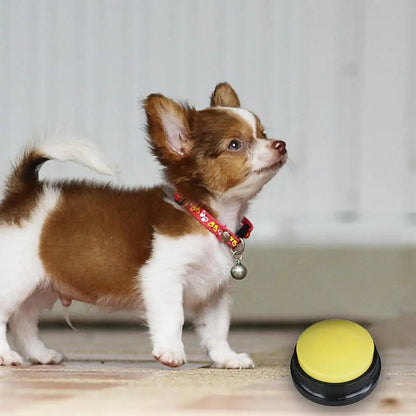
[(335, 78)]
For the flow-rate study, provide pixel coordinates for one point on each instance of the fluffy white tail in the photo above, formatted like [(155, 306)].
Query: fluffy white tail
[(25, 173), (75, 150)]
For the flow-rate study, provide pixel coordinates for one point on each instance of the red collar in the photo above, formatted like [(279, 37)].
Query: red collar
[(222, 233)]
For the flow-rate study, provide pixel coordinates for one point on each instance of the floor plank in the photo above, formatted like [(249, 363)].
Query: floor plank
[(111, 372)]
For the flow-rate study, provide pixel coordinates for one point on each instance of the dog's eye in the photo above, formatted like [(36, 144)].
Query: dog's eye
[(235, 145), (264, 134)]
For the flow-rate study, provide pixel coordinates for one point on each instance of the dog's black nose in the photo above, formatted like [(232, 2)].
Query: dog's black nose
[(280, 145)]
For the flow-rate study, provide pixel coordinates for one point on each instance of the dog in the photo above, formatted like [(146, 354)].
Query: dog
[(158, 251)]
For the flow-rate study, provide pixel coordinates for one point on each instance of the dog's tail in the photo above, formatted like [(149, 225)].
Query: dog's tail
[(25, 172)]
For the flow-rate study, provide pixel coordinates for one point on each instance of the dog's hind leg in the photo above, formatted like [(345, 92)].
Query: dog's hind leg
[(24, 328), (21, 273), (23, 212), (14, 289)]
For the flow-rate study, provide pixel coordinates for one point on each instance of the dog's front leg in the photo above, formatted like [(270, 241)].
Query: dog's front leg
[(212, 324), (163, 294)]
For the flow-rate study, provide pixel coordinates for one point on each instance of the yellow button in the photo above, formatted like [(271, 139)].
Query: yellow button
[(335, 351)]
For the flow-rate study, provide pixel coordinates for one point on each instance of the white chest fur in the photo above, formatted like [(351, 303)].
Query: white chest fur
[(196, 264)]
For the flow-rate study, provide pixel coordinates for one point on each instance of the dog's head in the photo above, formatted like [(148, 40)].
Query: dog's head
[(221, 151)]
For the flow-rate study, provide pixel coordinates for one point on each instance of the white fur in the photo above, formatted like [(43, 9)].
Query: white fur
[(263, 155), (230, 210), (189, 272), (65, 147), (21, 276), (246, 115)]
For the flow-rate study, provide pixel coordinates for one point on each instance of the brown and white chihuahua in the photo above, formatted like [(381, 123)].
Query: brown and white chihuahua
[(136, 248)]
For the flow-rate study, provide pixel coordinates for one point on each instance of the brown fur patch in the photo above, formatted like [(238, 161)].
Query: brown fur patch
[(98, 237), (225, 172), (224, 96), (23, 189), (220, 168)]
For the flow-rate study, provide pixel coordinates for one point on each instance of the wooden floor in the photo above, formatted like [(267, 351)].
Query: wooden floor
[(111, 372)]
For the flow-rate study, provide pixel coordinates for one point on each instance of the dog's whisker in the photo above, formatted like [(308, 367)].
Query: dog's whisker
[(291, 165)]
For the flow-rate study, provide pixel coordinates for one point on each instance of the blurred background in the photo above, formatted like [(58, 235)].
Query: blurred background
[(335, 231)]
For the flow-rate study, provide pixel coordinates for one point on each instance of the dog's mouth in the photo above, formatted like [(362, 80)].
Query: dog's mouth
[(270, 168)]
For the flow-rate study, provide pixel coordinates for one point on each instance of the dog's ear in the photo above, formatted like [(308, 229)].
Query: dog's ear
[(167, 127), (224, 96)]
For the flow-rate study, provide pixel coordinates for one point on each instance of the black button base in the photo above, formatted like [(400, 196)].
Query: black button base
[(336, 394)]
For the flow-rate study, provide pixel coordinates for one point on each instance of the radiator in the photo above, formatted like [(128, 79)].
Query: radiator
[(336, 79)]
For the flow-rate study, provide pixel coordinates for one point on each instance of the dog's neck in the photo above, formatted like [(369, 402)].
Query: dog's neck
[(229, 211)]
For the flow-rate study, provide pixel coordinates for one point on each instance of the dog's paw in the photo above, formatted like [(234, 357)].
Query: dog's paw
[(172, 357), (10, 357), (234, 361), (46, 356)]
